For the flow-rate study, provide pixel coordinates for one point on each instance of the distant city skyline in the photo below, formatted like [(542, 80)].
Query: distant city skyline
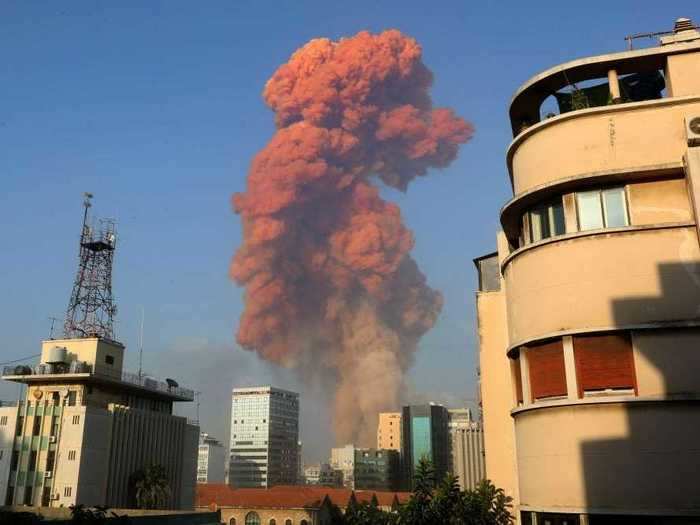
[(160, 121)]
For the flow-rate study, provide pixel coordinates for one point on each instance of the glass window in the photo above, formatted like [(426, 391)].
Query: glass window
[(547, 220), (252, 518), (602, 209), (590, 214), (614, 208)]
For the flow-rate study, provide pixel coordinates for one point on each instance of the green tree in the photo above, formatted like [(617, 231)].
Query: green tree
[(150, 487)]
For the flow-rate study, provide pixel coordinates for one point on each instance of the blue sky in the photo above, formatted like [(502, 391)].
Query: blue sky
[(155, 108)]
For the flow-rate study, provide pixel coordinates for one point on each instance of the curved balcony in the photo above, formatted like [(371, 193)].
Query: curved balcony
[(603, 279), (566, 456), (634, 137)]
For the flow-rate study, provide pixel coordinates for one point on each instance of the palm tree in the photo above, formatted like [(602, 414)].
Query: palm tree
[(150, 487)]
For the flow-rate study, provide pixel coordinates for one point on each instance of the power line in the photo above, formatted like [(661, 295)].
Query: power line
[(20, 359)]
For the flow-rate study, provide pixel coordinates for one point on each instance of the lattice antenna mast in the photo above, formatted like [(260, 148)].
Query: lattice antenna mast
[(91, 309)]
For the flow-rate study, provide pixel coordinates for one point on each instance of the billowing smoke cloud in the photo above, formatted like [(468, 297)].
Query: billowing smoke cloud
[(330, 286)]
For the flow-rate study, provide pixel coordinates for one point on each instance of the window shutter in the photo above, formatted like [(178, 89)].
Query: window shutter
[(547, 373), (604, 361)]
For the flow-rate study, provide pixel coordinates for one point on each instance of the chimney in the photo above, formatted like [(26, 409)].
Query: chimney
[(683, 31)]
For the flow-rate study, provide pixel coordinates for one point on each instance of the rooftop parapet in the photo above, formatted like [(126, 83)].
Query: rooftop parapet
[(43, 373)]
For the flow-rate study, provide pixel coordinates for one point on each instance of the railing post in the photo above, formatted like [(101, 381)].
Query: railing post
[(614, 83)]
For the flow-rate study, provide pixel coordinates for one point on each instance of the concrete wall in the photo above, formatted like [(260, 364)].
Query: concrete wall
[(7, 439), (141, 438), (279, 515), (683, 75), (575, 284), (93, 456), (496, 392), (609, 457)]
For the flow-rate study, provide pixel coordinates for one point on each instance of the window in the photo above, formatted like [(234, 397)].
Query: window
[(71, 455), (72, 397), (20, 424), (28, 496), (232, 521), (602, 209), (304, 522), (67, 491), (252, 518), (15, 460), (604, 362), (46, 496), (54, 425), (3, 421), (10, 496), (273, 521), (109, 359), (288, 522), (76, 420), (1, 454), (50, 458), (32, 461), (546, 220), (36, 426), (547, 375)]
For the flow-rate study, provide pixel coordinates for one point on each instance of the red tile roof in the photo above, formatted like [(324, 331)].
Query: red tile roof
[(302, 496)]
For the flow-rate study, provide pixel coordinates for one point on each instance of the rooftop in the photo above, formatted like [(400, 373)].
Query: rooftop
[(284, 496), (84, 372)]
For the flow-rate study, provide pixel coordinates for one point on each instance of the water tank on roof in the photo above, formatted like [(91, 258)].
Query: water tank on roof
[(57, 354)]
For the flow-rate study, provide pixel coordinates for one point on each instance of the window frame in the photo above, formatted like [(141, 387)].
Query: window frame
[(543, 209), (609, 390), (602, 206), (551, 346)]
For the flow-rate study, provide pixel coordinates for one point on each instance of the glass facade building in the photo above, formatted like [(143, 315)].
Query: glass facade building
[(425, 435), (264, 437)]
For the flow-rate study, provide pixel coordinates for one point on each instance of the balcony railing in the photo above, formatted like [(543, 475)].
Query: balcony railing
[(146, 382)]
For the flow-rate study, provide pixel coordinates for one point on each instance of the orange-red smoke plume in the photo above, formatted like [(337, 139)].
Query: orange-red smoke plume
[(331, 287)]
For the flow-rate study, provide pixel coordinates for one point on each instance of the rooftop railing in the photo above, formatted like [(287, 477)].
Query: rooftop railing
[(143, 381)]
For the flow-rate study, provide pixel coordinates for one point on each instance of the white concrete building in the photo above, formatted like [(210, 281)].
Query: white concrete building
[(211, 460), (467, 458), (86, 426), (264, 437)]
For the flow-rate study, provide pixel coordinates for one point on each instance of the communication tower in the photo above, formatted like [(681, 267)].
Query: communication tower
[(91, 309)]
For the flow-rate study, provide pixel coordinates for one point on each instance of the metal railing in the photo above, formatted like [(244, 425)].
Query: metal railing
[(147, 382)]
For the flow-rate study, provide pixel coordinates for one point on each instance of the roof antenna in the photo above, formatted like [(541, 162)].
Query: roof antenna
[(53, 321), (141, 345)]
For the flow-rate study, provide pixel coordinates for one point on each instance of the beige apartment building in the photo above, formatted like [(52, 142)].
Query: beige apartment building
[(86, 426), (389, 431), (589, 313), (466, 448)]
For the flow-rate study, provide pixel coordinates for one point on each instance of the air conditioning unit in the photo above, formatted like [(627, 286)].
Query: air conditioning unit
[(52, 439), (54, 497), (692, 129), (48, 474)]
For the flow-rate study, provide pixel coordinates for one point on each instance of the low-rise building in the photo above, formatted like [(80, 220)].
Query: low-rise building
[(86, 427), (287, 505), (211, 460), (323, 474), (367, 468)]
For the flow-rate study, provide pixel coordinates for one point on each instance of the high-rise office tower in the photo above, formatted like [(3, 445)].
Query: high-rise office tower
[(264, 437), (211, 460), (466, 448), (425, 435)]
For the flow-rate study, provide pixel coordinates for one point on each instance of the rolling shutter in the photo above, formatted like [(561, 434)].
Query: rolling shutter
[(547, 374), (604, 361)]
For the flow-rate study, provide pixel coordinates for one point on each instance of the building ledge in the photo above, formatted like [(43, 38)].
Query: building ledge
[(593, 233), (606, 400)]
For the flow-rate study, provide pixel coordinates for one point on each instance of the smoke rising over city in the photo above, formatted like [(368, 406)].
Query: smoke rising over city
[(330, 287)]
